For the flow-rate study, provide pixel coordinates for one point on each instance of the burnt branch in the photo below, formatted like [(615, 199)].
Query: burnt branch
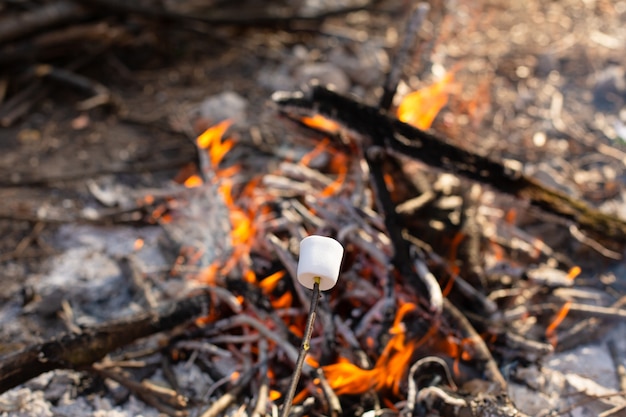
[(481, 351), (408, 141), (393, 76), (80, 350)]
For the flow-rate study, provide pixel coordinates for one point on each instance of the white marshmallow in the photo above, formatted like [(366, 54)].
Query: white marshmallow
[(319, 257)]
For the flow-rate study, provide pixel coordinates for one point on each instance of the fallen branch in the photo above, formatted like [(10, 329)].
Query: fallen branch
[(79, 350), (409, 142), (402, 56)]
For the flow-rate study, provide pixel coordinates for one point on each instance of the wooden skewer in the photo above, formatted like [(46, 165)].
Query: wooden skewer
[(304, 348)]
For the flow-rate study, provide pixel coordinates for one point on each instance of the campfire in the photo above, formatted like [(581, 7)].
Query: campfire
[(464, 271)]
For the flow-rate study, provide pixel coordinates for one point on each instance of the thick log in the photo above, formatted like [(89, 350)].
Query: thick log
[(78, 350), (408, 141)]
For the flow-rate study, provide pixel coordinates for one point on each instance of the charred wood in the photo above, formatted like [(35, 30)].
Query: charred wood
[(80, 350), (407, 141), (393, 76)]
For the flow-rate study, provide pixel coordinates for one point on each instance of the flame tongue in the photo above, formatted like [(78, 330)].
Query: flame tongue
[(242, 225), (420, 108), (347, 378), (211, 140), (322, 123)]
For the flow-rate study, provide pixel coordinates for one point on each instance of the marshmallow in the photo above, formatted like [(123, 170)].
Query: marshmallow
[(319, 257)]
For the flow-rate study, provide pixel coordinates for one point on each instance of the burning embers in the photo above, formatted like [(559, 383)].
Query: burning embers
[(420, 108), (389, 371), (243, 219), (375, 325), (295, 201)]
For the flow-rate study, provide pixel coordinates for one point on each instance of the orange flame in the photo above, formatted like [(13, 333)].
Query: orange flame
[(574, 272), (193, 181), (478, 106), (209, 274), (347, 378), (284, 301), (321, 123), (420, 108), (274, 395), (458, 349), (311, 361), (269, 283), (339, 164), (560, 316), (301, 396), (186, 171), (297, 330), (211, 140), (138, 244), (148, 199), (241, 219), (315, 152), (452, 259), (510, 216)]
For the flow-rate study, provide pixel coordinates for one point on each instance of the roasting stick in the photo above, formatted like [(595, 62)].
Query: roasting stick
[(304, 348), (318, 269)]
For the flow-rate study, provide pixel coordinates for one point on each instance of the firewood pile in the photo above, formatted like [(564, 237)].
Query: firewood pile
[(474, 181)]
